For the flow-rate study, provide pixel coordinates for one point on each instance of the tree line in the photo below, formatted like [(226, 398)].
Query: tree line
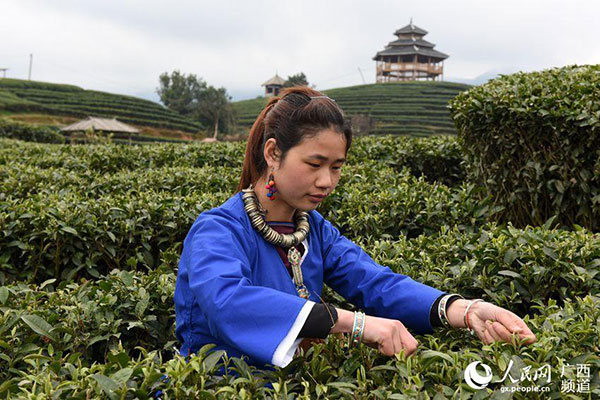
[(191, 97)]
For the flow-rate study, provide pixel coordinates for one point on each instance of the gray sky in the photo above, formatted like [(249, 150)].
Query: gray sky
[(123, 46)]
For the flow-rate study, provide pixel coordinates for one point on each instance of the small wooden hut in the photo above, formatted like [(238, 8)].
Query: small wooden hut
[(273, 86)]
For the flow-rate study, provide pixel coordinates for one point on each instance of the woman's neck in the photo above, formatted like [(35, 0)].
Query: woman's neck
[(277, 210)]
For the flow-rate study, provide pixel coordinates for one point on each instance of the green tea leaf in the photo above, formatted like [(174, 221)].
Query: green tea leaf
[(38, 325), (70, 230), (436, 354), (3, 294), (212, 359), (122, 376), (510, 273), (510, 256), (107, 385)]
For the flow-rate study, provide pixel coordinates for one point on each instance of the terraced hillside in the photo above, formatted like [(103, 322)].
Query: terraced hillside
[(67, 100), (406, 108)]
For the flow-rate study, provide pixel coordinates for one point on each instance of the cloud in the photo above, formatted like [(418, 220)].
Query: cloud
[(123, 46)]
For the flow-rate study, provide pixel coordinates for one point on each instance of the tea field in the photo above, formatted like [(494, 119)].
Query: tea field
[(22, 97), (417, 108), (90, 237)]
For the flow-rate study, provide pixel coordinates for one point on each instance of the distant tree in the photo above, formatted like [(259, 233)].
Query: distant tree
[(180, 92), (190, 96), (215, 110), (294, 80)]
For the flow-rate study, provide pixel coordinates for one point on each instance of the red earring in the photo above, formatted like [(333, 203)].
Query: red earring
[(271, 187)]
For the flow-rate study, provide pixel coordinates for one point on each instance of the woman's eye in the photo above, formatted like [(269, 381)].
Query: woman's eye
[(318, 166)]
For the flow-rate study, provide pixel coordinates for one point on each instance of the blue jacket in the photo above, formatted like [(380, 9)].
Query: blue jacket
[(234, 290)]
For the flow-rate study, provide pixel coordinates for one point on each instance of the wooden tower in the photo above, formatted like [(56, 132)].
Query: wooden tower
[(409, 58)]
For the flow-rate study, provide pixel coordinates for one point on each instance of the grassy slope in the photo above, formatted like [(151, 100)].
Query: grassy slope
[(24, 97), (415, 108)]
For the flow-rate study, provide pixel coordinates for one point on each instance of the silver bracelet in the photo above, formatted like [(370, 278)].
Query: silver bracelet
[(465, 317), (442, 308)]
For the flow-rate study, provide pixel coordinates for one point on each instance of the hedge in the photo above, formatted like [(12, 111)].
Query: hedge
[(57, 337), (512, 267), (533, 141), (17, 130), (435, 158), (59, 223)]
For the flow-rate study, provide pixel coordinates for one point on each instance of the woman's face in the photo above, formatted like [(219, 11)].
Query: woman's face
[(311, 168)]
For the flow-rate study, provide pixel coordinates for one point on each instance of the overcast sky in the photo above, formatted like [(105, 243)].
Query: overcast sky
[(123, 46)]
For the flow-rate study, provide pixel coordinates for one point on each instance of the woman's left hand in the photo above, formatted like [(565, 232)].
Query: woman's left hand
[(490, 322)]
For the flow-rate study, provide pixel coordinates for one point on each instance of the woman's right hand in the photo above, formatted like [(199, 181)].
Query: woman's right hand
[(389, 336)]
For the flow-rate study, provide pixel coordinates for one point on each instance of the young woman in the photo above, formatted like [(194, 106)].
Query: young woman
[(252, 270)]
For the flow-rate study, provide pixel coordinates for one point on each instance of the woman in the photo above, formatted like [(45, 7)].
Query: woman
[(252, 270)]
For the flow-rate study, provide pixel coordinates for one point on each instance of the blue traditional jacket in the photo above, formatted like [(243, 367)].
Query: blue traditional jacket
[(233, 289)]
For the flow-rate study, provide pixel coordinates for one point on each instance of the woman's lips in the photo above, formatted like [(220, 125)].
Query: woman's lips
[(316, 198)]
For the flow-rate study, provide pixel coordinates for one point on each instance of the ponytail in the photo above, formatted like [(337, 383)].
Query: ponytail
[(254, 159)]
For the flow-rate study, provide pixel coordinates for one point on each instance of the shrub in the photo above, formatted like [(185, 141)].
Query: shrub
[(533, 141), (61, 223), (566, 336), (29, 133), (511, 267), (436, 158), (63, 237), (87, 319)]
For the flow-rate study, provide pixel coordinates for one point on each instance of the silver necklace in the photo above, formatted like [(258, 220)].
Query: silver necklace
[(256, 213)]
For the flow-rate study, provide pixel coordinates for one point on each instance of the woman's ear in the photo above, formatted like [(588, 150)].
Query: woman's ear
[(271, 153)]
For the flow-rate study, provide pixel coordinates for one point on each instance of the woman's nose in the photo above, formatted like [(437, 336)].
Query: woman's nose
[(325, 179)]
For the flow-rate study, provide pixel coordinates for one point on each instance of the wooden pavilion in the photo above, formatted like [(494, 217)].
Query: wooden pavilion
[(409, 58)]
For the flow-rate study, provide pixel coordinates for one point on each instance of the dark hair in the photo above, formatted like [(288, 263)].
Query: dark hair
[(290, 118)]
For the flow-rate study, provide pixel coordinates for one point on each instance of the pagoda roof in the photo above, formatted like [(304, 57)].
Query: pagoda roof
[(410, 42), (411, 45), (276, 80), (410, 50), (410, 28)]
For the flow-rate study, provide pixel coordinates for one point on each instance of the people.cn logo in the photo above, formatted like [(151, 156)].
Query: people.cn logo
[(474, 379)]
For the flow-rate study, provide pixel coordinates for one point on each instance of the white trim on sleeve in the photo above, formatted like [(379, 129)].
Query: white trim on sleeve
[(287, 347), (285, 351)]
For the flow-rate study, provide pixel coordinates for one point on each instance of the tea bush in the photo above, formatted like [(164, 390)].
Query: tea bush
[(436, 158), (512, 267), (53, 236), (29, 133), (509, 267), (69, 100), (533, 141), (90, 238), (87, 319), (83, 210), (111, 158), (61, 224), (566, 336)]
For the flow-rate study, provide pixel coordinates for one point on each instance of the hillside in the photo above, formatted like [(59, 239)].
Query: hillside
[(70, 102), (409, 108)]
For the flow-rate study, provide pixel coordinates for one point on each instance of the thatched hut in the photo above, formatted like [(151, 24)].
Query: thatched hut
[(100, 125)]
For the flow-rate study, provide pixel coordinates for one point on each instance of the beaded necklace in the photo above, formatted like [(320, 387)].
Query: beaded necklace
[(256, 213)]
